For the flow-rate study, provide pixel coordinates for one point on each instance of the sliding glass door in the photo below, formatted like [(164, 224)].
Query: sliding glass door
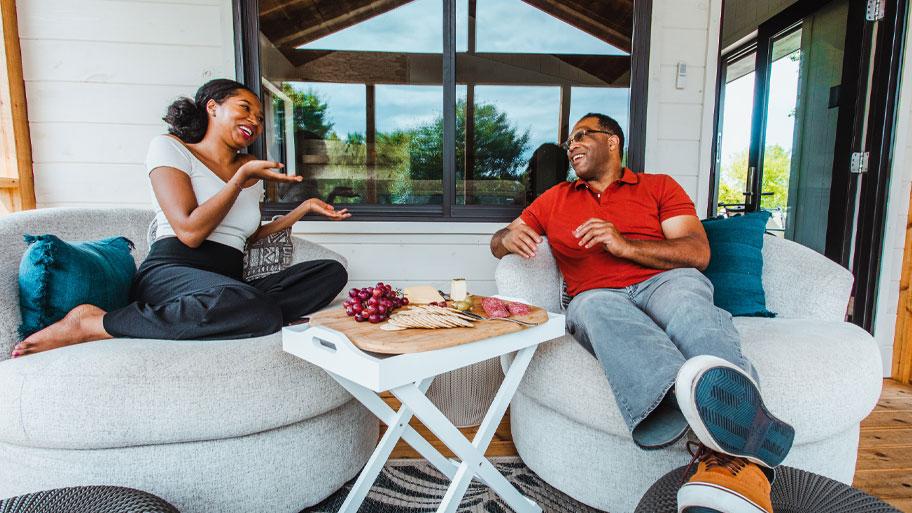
[(804, 126), (778, 123)]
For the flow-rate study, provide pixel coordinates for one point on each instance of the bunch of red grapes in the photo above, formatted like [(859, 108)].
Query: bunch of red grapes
[(373, 304)]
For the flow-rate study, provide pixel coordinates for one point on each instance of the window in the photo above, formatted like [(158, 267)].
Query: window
[(434, 109), (778, 135)]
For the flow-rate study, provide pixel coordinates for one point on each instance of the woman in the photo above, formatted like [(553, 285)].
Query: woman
[(206, 196)]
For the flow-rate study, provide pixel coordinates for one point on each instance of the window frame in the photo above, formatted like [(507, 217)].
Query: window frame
[(247, 66)]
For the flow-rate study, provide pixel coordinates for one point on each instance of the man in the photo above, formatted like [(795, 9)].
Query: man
[(630, 248)]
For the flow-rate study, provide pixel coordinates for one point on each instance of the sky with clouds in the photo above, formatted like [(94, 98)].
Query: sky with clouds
[(502, 26)]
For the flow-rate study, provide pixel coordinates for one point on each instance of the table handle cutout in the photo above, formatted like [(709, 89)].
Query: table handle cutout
[(325, 344)]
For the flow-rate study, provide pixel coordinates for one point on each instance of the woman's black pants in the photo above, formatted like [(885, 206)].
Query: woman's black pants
[(198, 294)]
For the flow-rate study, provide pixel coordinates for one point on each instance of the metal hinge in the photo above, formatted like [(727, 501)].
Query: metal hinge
[(860, 162), (875, 10)]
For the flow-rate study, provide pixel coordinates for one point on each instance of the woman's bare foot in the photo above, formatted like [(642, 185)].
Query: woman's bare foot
[(82, 324)]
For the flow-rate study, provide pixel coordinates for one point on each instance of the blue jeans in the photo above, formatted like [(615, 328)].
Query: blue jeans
[(642, 334)]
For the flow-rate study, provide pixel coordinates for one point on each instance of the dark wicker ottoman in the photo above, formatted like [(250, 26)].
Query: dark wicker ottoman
[(794, 491), (87, 499)]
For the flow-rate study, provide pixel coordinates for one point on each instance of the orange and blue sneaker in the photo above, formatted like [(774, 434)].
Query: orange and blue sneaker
[(741, 441), (723, 406), (724, 484)]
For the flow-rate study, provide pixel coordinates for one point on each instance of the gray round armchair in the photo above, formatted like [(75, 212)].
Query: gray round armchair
[(817, 372), (209, 426)]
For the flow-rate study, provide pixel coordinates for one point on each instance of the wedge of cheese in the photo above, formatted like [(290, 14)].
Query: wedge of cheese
[(422, 294), (458, 290)]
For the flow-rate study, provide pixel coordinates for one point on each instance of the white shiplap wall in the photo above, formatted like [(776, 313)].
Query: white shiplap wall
[(897, 216), (100, 72), (98, 76), (679, 127)]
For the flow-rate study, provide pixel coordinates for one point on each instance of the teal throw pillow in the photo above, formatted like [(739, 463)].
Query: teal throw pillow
[(56, 276), (736, 266)]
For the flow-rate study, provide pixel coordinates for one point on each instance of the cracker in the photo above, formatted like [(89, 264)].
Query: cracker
[(429, 317)]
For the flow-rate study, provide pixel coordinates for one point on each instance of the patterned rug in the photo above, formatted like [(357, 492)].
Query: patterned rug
[(413, 486)]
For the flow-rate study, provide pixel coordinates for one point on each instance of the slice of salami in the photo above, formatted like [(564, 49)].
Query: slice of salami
[(498, 313), (493, 302), (494, 307), (518, 308)]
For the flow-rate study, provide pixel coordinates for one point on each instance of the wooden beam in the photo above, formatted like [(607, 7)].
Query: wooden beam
[(610, 21), (9, 195), (15, 142), (359, 67), (902, 341), (296, 22), (291, 23)]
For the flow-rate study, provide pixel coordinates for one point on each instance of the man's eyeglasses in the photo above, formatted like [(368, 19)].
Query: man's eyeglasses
[(578, 136)]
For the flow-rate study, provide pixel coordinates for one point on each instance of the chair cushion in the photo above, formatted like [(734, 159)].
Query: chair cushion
[(129, 392), (56, 276), (820, 376), (736, 266)]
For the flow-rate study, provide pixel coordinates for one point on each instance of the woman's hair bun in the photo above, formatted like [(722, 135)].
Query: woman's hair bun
[(186, 121)]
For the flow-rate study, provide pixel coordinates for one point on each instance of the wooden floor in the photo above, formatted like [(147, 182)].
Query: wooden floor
[(884, 454)]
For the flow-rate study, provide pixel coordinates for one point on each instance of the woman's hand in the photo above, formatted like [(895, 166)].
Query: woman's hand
[(263, 170), (318, 206)]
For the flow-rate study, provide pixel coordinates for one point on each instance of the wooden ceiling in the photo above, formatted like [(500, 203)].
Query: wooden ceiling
[(608, 20), (291, 23)]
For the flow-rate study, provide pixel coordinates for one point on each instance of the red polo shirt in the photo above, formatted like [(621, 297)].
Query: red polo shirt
[(637, 204)]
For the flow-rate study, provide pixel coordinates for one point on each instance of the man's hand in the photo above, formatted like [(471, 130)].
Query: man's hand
[(521, 239), (600, 232), (685, 243)]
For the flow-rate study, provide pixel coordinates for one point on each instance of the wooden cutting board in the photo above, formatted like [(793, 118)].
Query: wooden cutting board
[(369, 337)]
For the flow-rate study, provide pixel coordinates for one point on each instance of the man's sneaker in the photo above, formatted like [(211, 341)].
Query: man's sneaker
[(724, 484), (723, 406)]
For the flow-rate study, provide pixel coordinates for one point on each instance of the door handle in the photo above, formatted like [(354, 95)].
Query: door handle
[(749, 184)]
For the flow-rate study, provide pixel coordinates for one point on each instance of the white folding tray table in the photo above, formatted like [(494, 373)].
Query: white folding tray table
[(407, 377)]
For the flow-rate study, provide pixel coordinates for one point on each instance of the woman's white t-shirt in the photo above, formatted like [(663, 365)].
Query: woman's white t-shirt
[(241, 221)]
